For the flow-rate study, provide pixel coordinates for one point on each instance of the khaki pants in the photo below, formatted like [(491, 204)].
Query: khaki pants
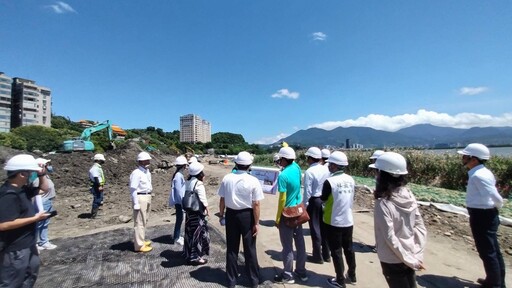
[(140, 219)]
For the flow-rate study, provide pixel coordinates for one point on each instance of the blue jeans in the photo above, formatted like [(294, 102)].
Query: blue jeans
[(179, 221), (42, 226), (97, 198), (484, 225)]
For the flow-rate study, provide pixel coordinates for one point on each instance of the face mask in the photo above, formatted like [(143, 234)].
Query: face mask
[(32, 177), (49, 169)]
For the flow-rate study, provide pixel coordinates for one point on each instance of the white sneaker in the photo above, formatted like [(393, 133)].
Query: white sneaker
[(47, 246), (180, 241)]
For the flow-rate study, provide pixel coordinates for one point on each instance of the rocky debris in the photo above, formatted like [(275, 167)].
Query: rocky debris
[(124, 219)]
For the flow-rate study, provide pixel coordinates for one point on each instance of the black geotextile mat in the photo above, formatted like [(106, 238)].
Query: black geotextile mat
[(107, 259)]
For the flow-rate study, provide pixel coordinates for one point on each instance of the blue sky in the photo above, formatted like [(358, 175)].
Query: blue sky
[(266, 69)]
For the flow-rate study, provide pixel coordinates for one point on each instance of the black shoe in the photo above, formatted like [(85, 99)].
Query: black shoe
[(315, 260), (352, 279), (281, 279), (328, 260), (334, 283), (302, 276), (94, 213)]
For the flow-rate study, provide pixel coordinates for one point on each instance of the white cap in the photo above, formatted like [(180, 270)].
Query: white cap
[(391, 162), (42, 161), (376, 154), (99, 157), (276, 157), (192, 160), (195, 168), (477, 150), (286, 152), (326, 153), (244, 158), (143, 156), (314, 152), (338, 158), (180, 160), (22, 162)]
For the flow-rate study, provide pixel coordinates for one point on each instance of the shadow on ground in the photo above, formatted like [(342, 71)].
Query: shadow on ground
[(107, 259)]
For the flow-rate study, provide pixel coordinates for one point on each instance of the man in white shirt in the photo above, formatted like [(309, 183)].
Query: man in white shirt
[(140, 190), (314, 178), (483, 202), (240, 195)]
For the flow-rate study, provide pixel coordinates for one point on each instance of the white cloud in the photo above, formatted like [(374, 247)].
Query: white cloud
[(319, 36), (394, 123), (285, 93), (61, 8), (271, 139), (472, 90)]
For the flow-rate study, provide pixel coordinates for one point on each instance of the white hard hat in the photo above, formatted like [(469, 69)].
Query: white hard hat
[(42, 161), (180, 160), (192, 159), (244, 158), (391, 162), (99, 157), (143, 156), (195, 168), (22, 162), (376, 154), (477, 150), (276, 157), (326, 153), (314, 152), (338, 158), (286, 152)]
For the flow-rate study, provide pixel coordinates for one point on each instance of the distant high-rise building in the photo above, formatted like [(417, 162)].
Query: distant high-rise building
[(31, 104), (193, 129), (5, 102)]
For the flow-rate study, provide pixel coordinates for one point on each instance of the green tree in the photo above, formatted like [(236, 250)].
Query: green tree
[(39, 137), (12, 140)]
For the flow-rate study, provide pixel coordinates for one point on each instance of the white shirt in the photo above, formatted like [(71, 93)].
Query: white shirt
[(140, 182), (481, 191), (96, 171), (314, 178), (240, 190)]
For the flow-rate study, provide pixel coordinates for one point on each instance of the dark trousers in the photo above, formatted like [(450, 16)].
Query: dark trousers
[(19, 268), (340, 242), (239, 224), (399, 275), (320, 246), (484, 226), (179, 221), (97, 198)]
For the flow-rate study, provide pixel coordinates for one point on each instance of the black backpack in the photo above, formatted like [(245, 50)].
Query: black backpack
[(191, 202)]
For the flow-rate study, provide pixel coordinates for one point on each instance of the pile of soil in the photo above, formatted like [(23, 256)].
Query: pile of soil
[(73, 200)]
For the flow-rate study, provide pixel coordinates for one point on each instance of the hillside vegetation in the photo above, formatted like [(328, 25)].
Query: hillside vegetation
[(47, 139)]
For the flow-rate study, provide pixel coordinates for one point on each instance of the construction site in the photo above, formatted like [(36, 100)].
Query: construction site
[(98, 252)]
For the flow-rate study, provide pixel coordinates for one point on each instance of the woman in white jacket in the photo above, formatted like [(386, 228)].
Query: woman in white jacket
[(400, 233)]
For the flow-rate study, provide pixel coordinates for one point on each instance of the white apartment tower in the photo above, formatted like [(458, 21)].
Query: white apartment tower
[(5, 102), (31, 104), (193, 129)]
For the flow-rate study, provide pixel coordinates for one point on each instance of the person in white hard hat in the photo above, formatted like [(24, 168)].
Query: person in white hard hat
[(483, 201), (97, 178), (240, 195), (140, 191), (338, 198), (314, 178), (288, 185), (176, 195), (399, 229), (197, 236), (43, 243), (376, 155), (325, 155), (19, 259)]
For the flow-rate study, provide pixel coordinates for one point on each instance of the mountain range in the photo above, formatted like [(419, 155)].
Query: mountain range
[(423, 135)]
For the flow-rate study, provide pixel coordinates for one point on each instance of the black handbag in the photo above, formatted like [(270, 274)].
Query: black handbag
[(191, 202)]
